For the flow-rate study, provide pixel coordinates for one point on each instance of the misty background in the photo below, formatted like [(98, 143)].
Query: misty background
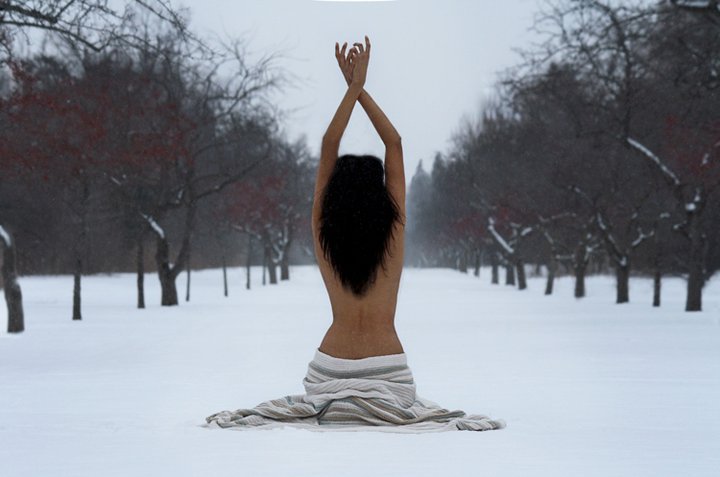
[(554, 138)]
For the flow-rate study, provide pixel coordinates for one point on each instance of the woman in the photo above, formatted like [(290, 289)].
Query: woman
[(359, 378), (358, 225)]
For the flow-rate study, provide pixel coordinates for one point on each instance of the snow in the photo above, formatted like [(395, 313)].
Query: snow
[(641, 237), (155, 226), (587, 387), (654, 158), (5, 236), (498, 237), (694, 3)]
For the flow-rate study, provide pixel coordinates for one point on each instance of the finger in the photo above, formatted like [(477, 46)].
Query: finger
[(367, 43), (337, 49), (342, 52), (340, 57), (359, 46)]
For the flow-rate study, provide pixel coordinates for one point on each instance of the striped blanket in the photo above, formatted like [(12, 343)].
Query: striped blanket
[(375, 393)]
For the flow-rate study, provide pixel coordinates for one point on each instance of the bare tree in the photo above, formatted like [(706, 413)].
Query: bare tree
[(221, 132), (13, 293), (616, 49), (94, 24)]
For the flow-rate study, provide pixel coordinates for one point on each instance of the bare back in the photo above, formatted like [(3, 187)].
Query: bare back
[(364, 326)]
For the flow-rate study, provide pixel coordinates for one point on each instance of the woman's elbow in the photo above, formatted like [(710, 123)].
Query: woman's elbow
[(395, 141)]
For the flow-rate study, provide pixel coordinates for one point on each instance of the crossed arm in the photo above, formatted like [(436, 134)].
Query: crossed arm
[(354, 69)]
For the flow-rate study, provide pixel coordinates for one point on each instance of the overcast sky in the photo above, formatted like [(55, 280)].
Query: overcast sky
[(432, 61)]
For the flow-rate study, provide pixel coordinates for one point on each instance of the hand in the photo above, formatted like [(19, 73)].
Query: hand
[(359, 57), (345, 66)]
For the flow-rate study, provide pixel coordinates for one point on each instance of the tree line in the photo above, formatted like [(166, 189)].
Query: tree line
[(130, 142), (599, 151)]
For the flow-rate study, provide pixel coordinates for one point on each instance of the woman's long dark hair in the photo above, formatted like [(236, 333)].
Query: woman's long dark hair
[(356, 222)]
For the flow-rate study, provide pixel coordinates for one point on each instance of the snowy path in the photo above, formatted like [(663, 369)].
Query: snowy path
[(588, 388)]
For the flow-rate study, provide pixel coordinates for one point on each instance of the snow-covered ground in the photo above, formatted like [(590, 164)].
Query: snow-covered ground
[(587, 387)]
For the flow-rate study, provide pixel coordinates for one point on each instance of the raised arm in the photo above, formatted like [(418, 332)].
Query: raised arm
[(331, 139), (394, 166)]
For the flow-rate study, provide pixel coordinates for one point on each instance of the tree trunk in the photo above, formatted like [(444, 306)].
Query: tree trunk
[(622, 274), (271, 266), (579, 280), (187, 283), (167, 274), (495, 272), (509, 274), (538, 269), (13, 293), (224, 268), (695, 276), (168, 289), (140, 267), (80, 248), (272, 271), (284, 269), (657, 265), (264, 266), (551, 268), (522, 281), (248, 262), (462, 261), (476, 272), (76, 311), (694, 288), (285, 262), (580, 267)]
